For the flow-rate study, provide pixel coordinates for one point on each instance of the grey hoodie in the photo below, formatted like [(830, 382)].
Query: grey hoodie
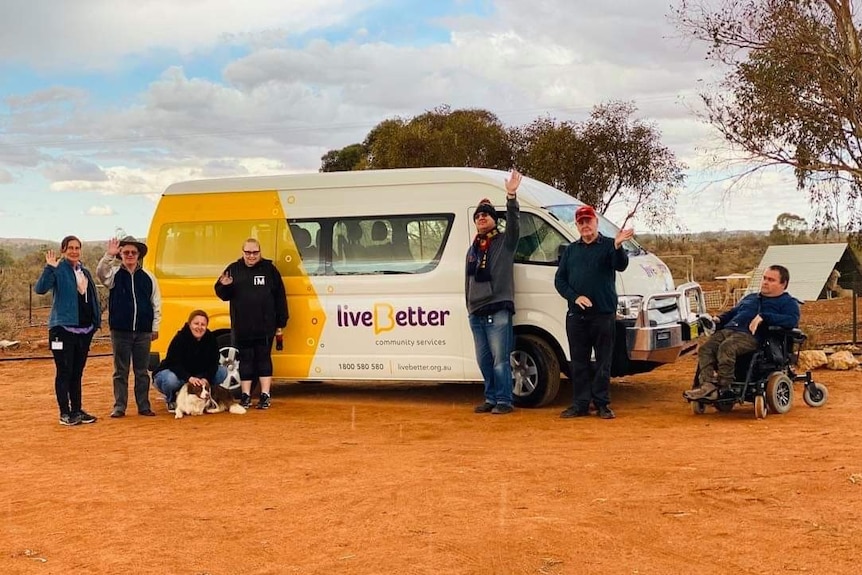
[(501, 260)]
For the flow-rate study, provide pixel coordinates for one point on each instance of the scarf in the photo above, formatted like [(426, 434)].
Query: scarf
[(81, 279), (477, 258)]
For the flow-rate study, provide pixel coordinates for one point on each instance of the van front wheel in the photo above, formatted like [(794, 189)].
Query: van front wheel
[(535, 372)]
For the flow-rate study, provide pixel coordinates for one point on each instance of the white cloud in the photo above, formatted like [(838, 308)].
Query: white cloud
[(73, 169), (97, 34), (100, 211), (124, 181), (281, 106)]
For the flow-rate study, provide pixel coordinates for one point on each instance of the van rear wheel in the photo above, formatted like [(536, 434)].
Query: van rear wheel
[(535, 372)]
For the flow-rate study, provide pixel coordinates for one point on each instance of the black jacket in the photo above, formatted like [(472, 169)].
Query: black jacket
[(189, 357), (258, 302), (591, 270)]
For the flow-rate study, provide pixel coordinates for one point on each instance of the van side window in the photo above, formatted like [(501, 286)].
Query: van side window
[(389, 244), (204, 249), (539, 242), (305, 236)]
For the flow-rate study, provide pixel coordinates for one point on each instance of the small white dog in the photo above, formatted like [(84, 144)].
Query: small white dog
[(197, 399)]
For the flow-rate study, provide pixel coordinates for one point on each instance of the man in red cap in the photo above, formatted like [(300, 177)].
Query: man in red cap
[(586, 278)]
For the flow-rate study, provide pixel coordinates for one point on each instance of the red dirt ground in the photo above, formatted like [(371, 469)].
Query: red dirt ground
[(361, 479)]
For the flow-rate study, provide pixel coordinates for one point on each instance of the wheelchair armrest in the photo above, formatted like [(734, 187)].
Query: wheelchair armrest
[(793, 333), (790, 335)]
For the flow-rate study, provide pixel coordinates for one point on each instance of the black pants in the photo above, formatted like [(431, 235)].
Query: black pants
[(70, 356), (588, 331), (255, 358)]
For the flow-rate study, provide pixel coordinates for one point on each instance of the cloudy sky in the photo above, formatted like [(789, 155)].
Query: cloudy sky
[(103, 103)]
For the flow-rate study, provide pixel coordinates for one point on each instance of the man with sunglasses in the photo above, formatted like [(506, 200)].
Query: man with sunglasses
[(490, 293), (258, 313), (134, 314)]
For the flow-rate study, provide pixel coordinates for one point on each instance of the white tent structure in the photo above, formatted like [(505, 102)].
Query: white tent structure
[(809, 266)]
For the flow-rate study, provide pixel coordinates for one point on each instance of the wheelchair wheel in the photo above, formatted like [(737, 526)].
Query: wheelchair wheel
[(816, 398), (724, 407), (779, 392), (697, 407), (760, 409)]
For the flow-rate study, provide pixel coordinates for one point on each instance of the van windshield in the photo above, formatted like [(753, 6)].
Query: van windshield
[(565, 213)]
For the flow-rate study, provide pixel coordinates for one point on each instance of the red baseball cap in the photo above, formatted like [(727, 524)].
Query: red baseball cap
[(585, 212)]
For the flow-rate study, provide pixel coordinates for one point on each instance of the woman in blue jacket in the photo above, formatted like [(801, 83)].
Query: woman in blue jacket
[(75, 317)]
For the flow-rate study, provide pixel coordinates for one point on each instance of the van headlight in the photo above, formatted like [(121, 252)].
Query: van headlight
[(628, 306)]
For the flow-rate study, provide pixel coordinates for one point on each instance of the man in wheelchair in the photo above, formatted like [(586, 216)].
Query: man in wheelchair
[(741, 330)]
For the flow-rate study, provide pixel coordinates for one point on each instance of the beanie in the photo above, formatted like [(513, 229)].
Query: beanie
[(485, 207)]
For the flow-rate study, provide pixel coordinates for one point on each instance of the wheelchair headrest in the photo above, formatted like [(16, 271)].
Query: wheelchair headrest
[(302, 237), (379, 232)]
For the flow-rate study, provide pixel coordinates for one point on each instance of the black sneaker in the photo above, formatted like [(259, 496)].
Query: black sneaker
[(172, 406), (502, 409), (245, 400), (605, 412), (85, 417), (484, 408), (574, 412), (264, 402), (69, 419)]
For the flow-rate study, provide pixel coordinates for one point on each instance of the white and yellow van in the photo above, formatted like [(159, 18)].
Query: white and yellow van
[(373, 264)]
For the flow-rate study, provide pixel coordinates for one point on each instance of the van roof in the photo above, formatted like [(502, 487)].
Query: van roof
[(531, 191)]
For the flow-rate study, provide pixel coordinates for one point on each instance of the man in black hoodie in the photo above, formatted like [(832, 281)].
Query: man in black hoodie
[(258, 313)]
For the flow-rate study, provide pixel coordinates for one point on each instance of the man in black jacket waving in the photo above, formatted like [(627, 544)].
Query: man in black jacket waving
[(258, 313), (586, 278)]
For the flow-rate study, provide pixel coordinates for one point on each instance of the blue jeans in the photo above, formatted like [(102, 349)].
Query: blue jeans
[(494, 338), (169, 384)]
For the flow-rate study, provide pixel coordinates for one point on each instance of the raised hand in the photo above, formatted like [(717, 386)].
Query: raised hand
[(51, 258), (512, 182), (622, 236), (113, 247), (225, 279)]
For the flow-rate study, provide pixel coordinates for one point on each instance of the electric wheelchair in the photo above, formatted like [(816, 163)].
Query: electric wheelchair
[(765, 377)]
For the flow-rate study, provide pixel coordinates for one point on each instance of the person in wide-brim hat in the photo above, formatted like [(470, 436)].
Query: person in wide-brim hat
[(134, 315), (130, 240)]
